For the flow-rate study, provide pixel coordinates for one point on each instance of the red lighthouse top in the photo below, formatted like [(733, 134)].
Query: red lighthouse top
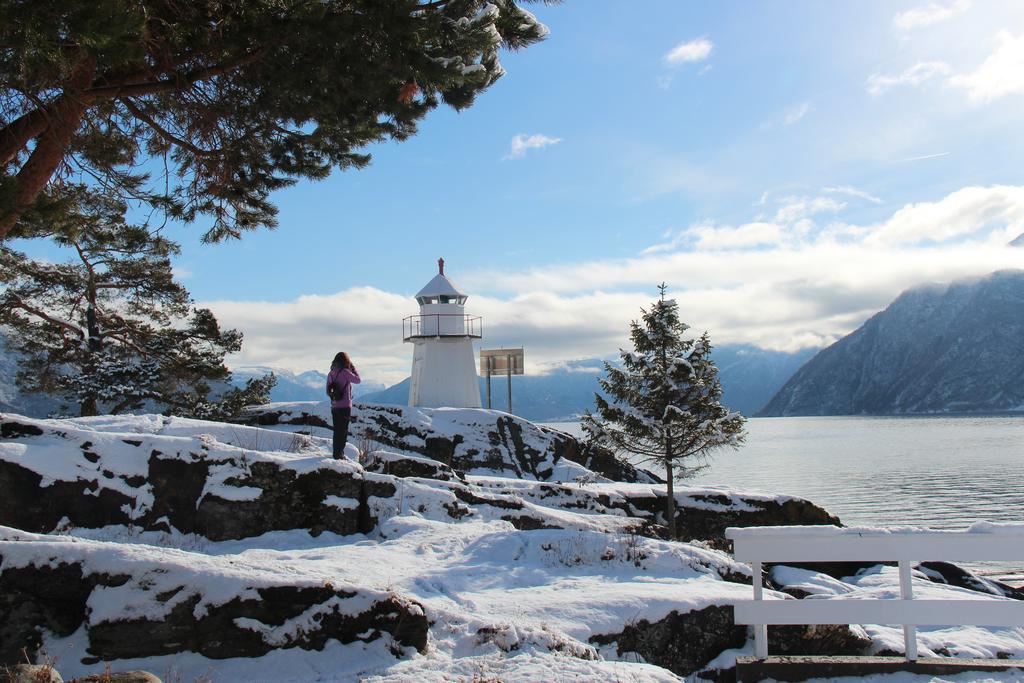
[(440, 266)]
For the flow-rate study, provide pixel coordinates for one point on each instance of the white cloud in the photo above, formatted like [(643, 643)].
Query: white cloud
[(997, 211), (931, 13), (852, 192), (915, 75), (710, 237), (779, 286), (796, 113), (795, 208), (691, 51), (1001, 74), (521, 143)]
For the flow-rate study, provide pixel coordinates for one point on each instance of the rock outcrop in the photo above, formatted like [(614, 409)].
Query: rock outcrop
[(484, 442), (204, 484), (142, 602)]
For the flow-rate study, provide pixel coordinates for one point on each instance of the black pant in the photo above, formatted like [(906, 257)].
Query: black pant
[(341, 417)]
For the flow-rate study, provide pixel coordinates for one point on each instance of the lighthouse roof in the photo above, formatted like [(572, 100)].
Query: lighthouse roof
[(440, 290), (440, 285)]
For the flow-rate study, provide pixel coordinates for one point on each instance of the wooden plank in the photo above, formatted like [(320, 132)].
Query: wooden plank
[(916, 612), (881, 547), (792, 669)]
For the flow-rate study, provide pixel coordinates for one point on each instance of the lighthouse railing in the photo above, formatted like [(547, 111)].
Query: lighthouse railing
[(426, 325)]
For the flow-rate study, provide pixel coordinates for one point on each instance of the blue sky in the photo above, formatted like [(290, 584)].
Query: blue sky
[(788, 168)]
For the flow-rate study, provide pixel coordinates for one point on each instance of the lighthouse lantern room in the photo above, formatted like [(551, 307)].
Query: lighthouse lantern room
[(443, 371)]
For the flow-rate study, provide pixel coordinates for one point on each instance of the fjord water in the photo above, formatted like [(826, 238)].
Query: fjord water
[(939, 472)]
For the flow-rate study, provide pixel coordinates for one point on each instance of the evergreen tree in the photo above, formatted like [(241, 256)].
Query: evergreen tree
[(112, 329), (229, 99), (664, 404)]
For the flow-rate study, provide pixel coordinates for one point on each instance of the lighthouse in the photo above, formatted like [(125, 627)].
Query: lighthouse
[(443, 371)]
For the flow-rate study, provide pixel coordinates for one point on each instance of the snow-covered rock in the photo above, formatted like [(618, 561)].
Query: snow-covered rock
[(136, 600), (221, 543), (224, 481), (231, 552), (475, 441)]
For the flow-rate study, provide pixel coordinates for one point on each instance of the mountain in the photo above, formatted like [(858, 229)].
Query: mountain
[(750, 376), (305, 386), (11, 398), (954, 348)]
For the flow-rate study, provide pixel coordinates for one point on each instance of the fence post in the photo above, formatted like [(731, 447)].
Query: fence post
[(909, 630), (760, 630)]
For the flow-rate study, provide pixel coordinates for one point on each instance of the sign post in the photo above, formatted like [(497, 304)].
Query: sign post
[(493, 361)]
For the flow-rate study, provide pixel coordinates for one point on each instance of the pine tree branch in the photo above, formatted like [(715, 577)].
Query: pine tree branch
[(16, 135), (163, 132), (177, 81), (19, 303)]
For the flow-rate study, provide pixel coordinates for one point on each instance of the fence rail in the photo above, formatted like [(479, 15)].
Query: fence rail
[(757, 545)]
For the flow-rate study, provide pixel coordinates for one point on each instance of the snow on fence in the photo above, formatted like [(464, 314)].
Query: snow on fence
[(982, 541)]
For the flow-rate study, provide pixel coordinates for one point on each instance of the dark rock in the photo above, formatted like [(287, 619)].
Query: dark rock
[(681, 642), (26, 504), (824, 639), (603, 462), (288, 501), (54, 598), (385, 462), (177, 482), (10, 429), (697, 522), (36, 598), (264, 418), (958, 576)]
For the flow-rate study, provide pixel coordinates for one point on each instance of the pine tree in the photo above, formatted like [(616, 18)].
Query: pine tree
[(111, 329), (664, 403), (228, 100)]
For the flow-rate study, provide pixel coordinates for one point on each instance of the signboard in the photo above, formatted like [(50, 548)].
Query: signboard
[(501, 361)]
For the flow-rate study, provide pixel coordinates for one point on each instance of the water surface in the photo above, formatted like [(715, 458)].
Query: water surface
[(940, 472)]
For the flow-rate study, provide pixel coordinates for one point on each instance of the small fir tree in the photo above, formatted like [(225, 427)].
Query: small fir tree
[(112, 330), (664, 403)]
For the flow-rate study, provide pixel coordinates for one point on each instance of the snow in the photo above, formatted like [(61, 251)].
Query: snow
[(504, 603), (507, 601), (882, 582)]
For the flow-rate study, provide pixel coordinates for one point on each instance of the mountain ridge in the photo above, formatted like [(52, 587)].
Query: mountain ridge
[(936, 349)]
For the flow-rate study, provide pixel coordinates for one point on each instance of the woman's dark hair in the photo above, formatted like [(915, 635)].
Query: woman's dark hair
[(341, 360)]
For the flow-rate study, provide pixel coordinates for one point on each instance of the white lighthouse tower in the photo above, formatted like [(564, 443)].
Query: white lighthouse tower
[(443, 371)]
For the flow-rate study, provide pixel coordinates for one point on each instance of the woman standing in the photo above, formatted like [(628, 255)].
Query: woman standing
[(339, 387)]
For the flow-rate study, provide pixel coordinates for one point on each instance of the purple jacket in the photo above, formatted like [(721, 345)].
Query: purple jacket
[(343, 378)]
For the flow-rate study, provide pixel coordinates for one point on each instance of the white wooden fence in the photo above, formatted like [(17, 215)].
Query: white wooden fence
[(983, 541)]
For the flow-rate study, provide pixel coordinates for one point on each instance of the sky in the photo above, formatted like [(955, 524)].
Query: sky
[(787, 168)]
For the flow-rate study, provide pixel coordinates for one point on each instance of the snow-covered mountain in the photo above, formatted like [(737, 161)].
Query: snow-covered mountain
[(750, 376), (303, 386), (951, 348)]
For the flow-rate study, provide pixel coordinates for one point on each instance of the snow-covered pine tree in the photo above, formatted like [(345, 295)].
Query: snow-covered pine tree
[(664, 403), (111, 330)]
